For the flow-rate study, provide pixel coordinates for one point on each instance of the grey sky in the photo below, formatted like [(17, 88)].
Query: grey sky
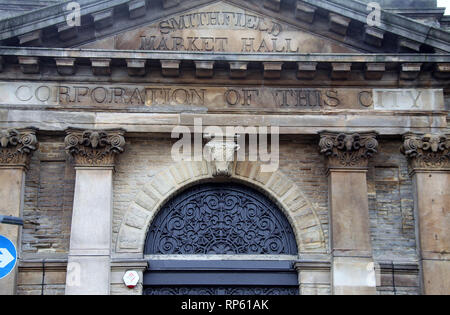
[(445, 3)]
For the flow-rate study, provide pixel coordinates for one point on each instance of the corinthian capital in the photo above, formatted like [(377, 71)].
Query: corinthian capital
[(427, 151), (348, 150), (17, 146), (94, 148)]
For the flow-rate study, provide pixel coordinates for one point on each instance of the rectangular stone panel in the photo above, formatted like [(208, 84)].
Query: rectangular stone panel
[(182, 98), (408, 99)]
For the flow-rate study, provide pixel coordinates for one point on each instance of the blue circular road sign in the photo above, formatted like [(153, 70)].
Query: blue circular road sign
[(8, 256)]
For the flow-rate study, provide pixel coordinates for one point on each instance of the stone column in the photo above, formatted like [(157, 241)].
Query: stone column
[(88, 270), (353, 269), (16, 147), (429, 157)]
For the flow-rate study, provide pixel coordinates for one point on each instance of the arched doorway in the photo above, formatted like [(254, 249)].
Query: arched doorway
[(220, 238)]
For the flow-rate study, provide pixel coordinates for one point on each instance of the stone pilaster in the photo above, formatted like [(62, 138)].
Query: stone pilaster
[(348, 155), (429, 159), (94, 152), (16, 148)]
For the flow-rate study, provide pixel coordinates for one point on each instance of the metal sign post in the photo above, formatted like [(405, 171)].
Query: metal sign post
[(11, 220)]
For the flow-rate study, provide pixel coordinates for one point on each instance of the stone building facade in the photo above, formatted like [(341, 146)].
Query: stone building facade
[(91, 107)]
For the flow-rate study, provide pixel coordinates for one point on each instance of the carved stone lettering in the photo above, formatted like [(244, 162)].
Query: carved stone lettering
[(408, 99), (220, 27), (214, 98)]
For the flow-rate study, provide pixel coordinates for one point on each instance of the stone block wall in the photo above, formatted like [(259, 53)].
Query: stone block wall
[(50, 184), (391, 206), (47, 213), (145, 158), (48, 201)]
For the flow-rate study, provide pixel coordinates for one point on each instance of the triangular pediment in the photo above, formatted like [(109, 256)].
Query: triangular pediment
[(221, 27), (312, 26)]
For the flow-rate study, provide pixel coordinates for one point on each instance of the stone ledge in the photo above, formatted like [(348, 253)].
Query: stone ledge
[(104, 62)]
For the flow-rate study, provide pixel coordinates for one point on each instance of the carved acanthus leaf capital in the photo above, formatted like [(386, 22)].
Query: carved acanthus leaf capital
[(92, 148), (348, 150), (220, 154), (17, 146), (427, 151)]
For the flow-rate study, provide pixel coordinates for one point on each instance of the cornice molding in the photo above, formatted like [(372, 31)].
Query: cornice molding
[(30, 26), (102, 62)]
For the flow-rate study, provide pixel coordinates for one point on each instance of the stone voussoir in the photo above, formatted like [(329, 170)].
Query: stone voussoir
[(131, 239)]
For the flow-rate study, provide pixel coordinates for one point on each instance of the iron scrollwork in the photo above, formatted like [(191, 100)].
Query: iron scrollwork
[(221, 219), (236, 291)]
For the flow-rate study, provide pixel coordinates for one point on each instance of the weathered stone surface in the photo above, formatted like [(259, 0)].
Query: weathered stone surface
[(170, 68), (136, 67), (340, 71), (65, 66), (351, 244), (348, 151), (137, 8), (349, 212), (101, 66), (228, 97), (309, 231), (427, 151), (409, 44), (90, 240), (430, 161), (433, 200), (89, 275), (436, 277), (305, 12), (170, 3), (338, 24), (228, 28), (306, 70), (94, 147), (204, 69), (272, 4), (353, 276), (11, 193), (375, 71), (238, 70), (67, 32), (410, 71), (373, 36), (32, 38), (221, 155), (149, 106), (29, 65), (103, 19), (272, 70), (16, 147), (408, 99)]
